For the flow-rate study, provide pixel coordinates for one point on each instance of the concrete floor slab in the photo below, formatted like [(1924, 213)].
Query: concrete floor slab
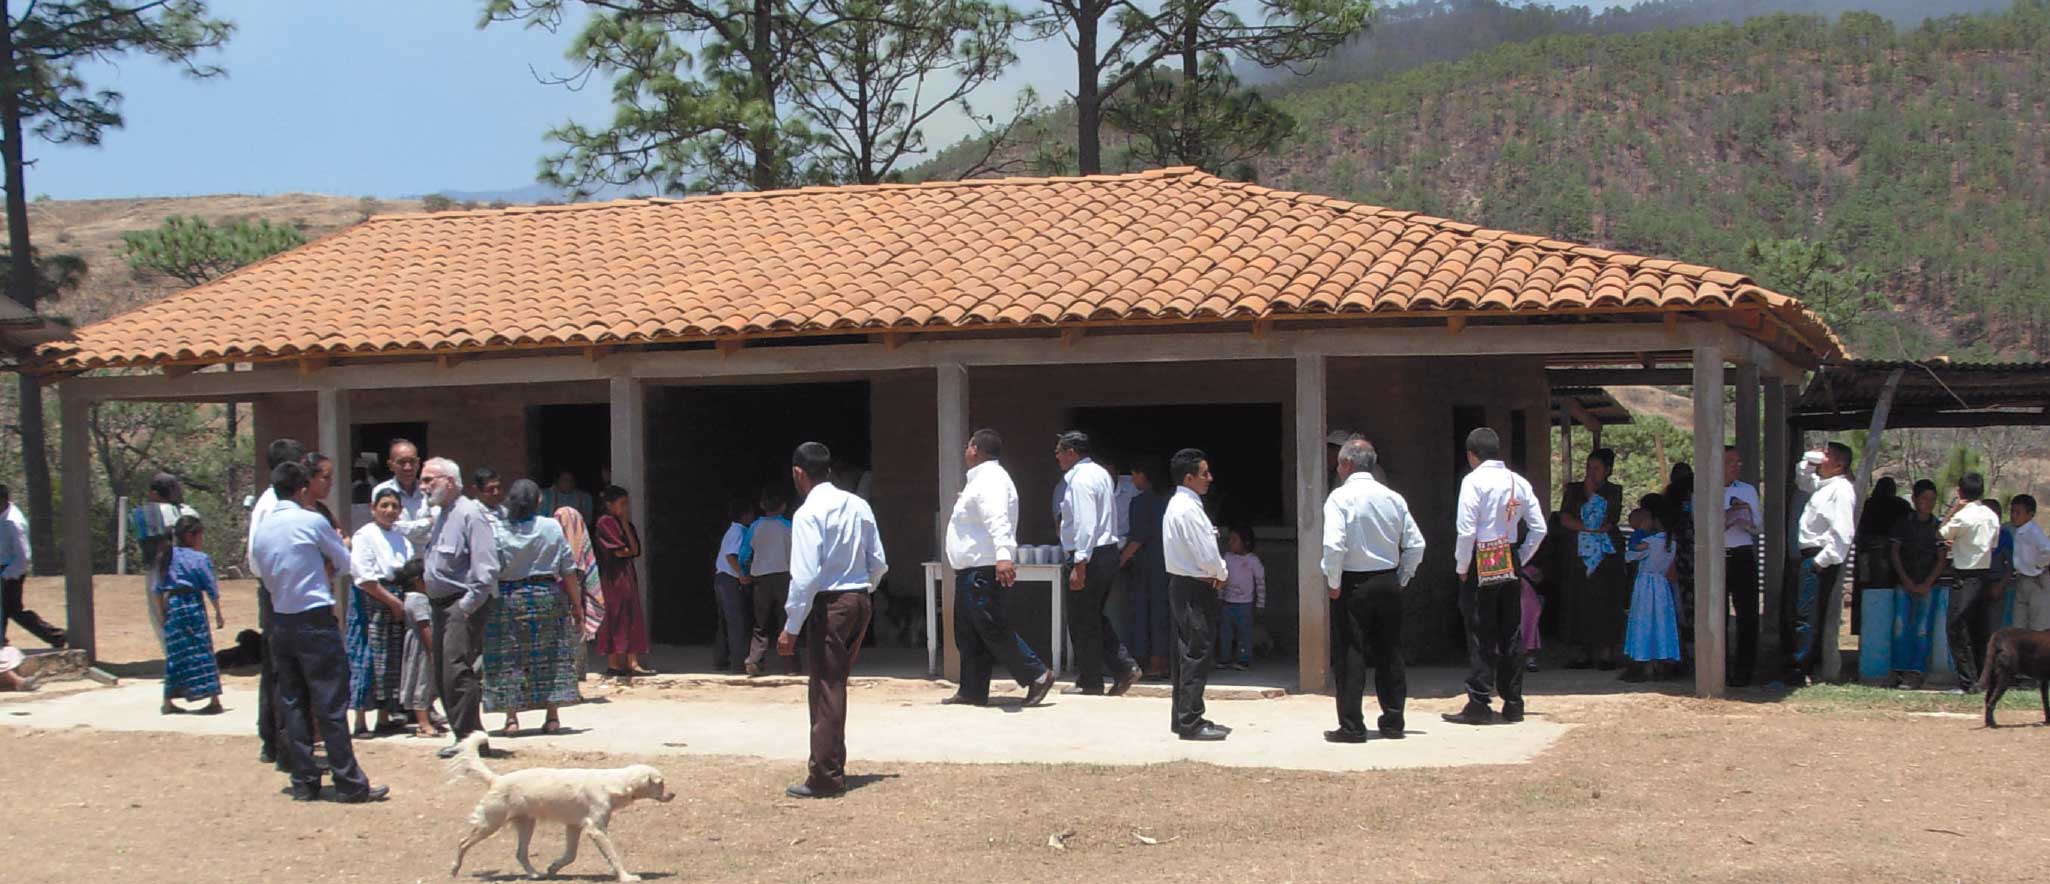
[(889, 723)]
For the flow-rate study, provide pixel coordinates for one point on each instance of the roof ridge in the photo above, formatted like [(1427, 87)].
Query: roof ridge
[(808, 190)]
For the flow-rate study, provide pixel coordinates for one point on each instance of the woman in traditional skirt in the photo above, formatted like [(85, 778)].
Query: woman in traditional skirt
[(587, 588), (376, 637), (1597, 585), (1652, 639), (624, 635), (529, 661), (182, 582), (150, 526)]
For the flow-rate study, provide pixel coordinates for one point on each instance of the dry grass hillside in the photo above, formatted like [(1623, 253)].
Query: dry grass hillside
[(92, 229)]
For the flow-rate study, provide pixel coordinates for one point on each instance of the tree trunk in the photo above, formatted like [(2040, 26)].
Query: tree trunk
[(1191, 139), (21, 286), (1088, 97), (761, 63)]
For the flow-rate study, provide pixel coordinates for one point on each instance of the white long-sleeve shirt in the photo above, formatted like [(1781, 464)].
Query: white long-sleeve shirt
[(265, 503), (834, 547), (15, 557), (1484, 498), (1830, 520), (1189, 540), (983, 529), (1367, 527), (416, 513), (1742, 535), (2031, 550), (1088, 510), (1973, 533)]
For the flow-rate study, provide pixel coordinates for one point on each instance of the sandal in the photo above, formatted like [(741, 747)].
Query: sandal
[(552, 726), (643, 670), (510, 730)]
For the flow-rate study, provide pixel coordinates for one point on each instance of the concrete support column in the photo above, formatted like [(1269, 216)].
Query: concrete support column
[(334, 441), (629, 401), (75, 463), (1710, 586), (1747, 422), (1313, 605), (951, 405)]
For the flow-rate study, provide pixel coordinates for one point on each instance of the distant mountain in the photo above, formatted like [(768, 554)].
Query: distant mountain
[(535, 193)]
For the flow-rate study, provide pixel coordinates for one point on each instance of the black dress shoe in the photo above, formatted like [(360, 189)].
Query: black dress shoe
[(1344, 736), (374, 793), (266, 756), (1207, 733), (1124, 682), (958, 700), (306, 793), (805, 790), (1079, 691), (1393, 733), (1037, 692), (1476, 715), (1514, 717)]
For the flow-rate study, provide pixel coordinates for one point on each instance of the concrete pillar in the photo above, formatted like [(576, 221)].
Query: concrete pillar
[(629, 401), (951, 406), (1313, 606), (1710, 586), (334, 441), (1747, 422), (77, 476)]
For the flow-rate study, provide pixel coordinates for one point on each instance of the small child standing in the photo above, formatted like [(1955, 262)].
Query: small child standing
[(1652, 637), (1245, 588), (416, 673), (182, 585)]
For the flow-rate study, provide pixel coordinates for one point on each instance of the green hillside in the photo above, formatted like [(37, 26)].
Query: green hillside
[(1921, 157)]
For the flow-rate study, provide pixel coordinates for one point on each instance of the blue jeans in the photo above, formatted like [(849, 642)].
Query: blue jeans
[(1914, 628), (1235, 634)]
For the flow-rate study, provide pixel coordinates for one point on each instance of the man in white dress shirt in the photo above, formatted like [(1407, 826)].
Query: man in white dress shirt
[(1088, 519), (1493, 501), (1195, 572), (416, 512), (1973, 532), (1741, 524), (1823, 537), (2031, 564), (1372, 547), (982, 542), (836, 562)]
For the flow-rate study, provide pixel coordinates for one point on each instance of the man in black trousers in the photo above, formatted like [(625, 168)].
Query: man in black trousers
[(1492, 501), (982, 542), (296, 551), (269, 718), (1372, 547), (1088, 519), (1195, 572)]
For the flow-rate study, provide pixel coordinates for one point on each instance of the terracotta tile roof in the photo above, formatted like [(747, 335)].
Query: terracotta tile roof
[(1172, 244)]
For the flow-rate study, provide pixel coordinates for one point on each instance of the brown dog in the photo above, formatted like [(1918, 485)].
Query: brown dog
[(2014, 652)]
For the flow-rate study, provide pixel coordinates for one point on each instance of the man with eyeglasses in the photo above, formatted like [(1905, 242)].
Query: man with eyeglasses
[(416, 513), (462, 584)]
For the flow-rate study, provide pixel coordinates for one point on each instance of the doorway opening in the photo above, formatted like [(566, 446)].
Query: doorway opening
[(709, 446), (574, 439)]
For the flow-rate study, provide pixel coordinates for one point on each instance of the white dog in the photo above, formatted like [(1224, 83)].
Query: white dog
[(580, 800)]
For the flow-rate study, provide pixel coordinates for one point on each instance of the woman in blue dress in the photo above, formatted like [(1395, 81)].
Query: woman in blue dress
[(182, 584), (1652, 638)]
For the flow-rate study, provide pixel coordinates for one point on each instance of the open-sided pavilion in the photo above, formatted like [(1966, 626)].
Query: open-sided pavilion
[(684, 344)]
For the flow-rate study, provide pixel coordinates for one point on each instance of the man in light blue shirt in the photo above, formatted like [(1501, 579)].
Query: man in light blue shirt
[(296, 553), (836, 561)]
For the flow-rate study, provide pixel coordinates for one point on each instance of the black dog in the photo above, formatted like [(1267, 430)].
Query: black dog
[(2014, 652), (248, 651)]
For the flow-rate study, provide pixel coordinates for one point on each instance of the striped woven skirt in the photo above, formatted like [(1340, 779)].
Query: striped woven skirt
[(376, 644), (529, 658), (189, 670)]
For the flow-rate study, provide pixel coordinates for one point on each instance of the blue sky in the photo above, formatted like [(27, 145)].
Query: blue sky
[(359, 97)]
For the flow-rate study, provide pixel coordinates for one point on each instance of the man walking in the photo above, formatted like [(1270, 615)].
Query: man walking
[(295, 551), (1492, 501), (1086, 509), (765, 556), (981, 542), (462, 585), (269, 718), (1372, 547), (836, 561), (1195, 572), (1973, 531), (1741, 521), (1828, 523), (14, 568)]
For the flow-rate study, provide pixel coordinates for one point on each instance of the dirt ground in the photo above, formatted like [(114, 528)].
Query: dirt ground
[(1645, 787)]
